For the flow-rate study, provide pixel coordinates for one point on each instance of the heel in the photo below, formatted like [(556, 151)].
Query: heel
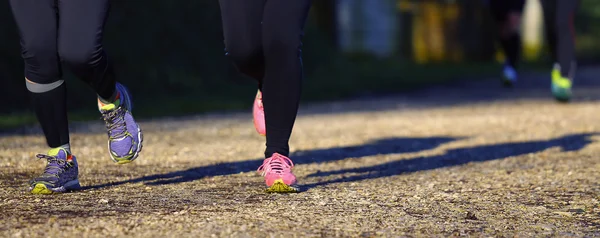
[(72, 185)]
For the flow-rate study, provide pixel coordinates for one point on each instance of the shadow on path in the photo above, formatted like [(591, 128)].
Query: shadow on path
[(384, 146), (455, 157)]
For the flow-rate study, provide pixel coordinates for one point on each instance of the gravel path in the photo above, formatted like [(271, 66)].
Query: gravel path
[(466, 159)]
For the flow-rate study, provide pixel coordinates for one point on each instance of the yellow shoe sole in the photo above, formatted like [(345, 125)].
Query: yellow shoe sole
[(280, 187), (41, 189), (124, 161)]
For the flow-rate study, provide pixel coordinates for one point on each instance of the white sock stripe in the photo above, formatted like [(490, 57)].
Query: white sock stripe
[(42, 88)]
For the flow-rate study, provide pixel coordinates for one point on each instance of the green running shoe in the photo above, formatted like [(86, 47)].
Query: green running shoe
[(561, 86)]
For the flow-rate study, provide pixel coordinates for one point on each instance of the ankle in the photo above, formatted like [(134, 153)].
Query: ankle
[(113, 99), (56, 150)]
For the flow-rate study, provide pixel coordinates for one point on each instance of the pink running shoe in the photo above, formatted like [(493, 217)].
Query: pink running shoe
[(277, 171), (258, 112)]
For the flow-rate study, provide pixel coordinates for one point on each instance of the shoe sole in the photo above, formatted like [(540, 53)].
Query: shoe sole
[(562, 94), (280, 187), (41, 188), (129, 105)]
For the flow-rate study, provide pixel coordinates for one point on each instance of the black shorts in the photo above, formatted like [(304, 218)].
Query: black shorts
[(501, 8)]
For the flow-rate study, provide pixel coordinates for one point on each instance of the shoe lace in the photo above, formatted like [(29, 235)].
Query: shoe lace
[(54, 166), (277, 163), (115, 122)]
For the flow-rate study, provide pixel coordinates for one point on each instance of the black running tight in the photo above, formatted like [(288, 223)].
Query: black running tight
[(560, 32), (61, 31), (263, 38), (503, 12)]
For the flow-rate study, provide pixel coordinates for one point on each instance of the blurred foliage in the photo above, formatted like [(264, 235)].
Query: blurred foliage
[(447, 31), (588, 30)]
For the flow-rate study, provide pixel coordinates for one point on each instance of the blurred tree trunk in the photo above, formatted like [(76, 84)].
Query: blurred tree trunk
[(368, 26), (433, 30), (477, 31), (380, 36), (445, 30), (406, 16)]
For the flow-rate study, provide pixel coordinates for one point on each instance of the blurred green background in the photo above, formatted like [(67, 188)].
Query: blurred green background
[(171, 53)]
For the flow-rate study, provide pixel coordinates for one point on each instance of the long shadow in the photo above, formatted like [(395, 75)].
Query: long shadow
[(455, 157), (384, 146)]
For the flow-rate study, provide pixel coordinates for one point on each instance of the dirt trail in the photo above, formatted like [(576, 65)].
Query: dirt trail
[(465, 159)]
